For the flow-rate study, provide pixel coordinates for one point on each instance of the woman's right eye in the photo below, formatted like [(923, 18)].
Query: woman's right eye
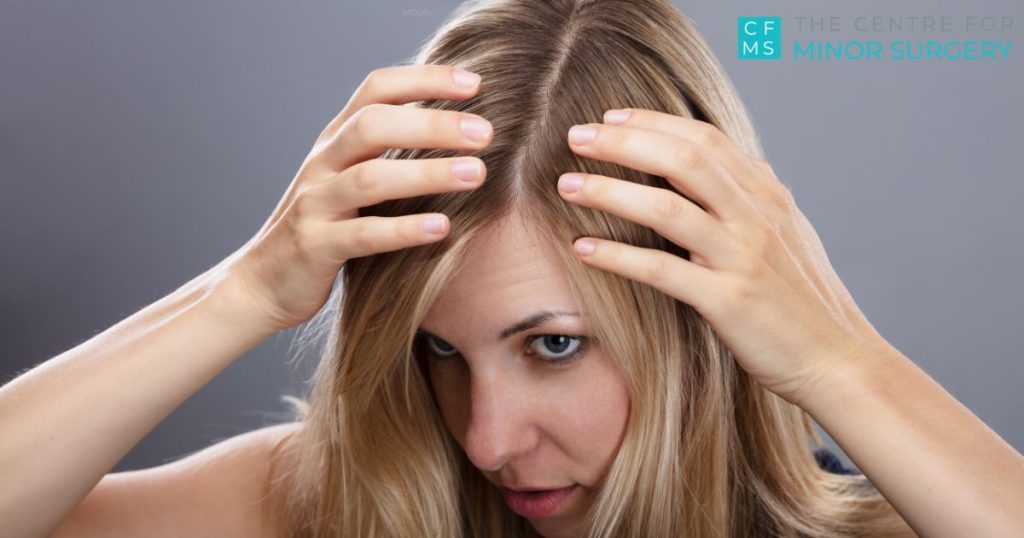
[(438, 347)]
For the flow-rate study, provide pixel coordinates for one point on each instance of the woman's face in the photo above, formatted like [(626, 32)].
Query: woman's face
[(523, 419)]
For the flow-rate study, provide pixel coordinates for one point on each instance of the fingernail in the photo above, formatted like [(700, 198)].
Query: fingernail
[(581, 134), (465, 79), (432, 225), (571, 182), (616, 116), (466, 169), (475, 129), (584, 246)]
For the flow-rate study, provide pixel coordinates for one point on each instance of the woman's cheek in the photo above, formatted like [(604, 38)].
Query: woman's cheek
[(595, 409)]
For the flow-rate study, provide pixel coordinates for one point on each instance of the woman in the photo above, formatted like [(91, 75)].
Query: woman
[(658, 383)]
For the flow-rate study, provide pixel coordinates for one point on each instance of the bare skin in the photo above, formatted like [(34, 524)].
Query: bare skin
[(540, 409), (55, 459), (221, 490)]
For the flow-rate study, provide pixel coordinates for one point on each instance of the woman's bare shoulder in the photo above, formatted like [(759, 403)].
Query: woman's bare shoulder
[(221, 490), (247, 469)]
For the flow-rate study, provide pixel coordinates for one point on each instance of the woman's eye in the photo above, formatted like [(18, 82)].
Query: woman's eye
[(439, 347), (563, 348)]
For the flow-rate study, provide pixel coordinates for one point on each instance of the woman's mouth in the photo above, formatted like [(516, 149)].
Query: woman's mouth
[(536, 504)]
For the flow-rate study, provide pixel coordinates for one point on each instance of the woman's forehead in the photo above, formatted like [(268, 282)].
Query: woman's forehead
[(491, 300)]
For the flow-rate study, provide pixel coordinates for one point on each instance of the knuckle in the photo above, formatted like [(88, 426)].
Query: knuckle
[(738, 295), (407, 230), (363, 178), (753, 267), (362, 233), (778, 198), (365, 122), (446, 122), (595, 189), (667, 206), (610, 137), (304, 201), (373, 80), (764, 165), (710, 136), (687, 155), (783, 198), (655, 270)]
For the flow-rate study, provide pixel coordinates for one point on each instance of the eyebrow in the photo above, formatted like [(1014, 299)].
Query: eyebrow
[(533, 321), (527, 323)]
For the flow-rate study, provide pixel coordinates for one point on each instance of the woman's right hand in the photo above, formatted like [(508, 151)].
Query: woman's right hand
[(285, 273)]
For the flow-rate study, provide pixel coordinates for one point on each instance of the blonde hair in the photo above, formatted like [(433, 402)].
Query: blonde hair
[(707, 451)]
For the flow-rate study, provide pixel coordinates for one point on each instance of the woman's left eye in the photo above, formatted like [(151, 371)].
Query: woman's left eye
[(564, 348)]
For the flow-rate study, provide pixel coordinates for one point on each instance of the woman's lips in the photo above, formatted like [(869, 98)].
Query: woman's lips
[(538, 504)]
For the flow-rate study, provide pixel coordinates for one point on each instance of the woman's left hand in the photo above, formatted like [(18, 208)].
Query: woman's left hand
[(758, 272)]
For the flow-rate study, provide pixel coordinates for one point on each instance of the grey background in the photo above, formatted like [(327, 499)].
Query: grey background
[(142, 142)]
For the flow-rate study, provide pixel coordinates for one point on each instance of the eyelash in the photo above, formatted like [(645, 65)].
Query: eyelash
[(560, 361)]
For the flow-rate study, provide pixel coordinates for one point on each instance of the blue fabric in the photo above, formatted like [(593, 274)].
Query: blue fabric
[(830, 462)]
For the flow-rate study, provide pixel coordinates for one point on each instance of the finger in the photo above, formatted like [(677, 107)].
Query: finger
[(679, 278), (404, 83), (690, 169), (343, 240), (371, 182), (706, 135), (752, 174), (377, 127), (666, 212)]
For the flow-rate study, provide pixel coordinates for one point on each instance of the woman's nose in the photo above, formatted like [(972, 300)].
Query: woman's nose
[(500, 424)]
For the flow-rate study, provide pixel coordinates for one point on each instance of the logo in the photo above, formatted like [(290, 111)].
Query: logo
[(760, 38), (872, 38)]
